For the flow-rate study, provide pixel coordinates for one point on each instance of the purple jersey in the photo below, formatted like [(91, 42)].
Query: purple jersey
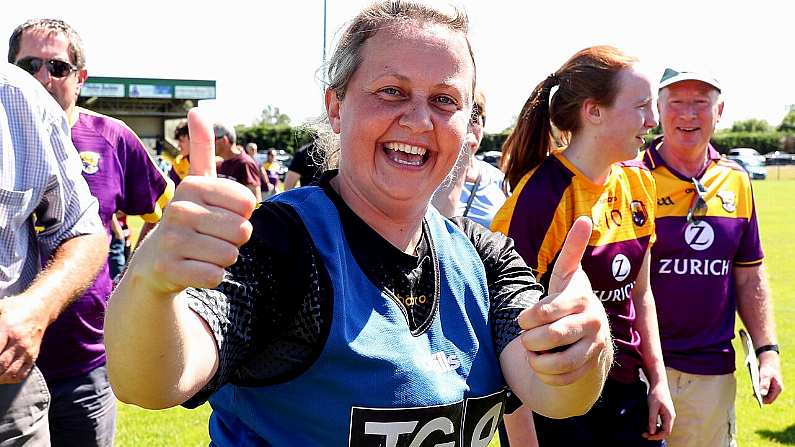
[(122, 177), (691, 271), (543, 208), (240, 168)]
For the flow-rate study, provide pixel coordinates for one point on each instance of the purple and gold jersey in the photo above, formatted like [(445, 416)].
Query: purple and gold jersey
[(122, 176), (691, 271), (179, 169), (543, 208)]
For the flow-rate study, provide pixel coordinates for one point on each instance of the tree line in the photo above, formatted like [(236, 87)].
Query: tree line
[(273, 129)]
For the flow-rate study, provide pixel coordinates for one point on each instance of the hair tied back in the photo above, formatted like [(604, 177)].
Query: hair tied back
[(552, 80)]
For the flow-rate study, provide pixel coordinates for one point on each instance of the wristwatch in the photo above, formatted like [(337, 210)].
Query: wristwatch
[(766, 348)]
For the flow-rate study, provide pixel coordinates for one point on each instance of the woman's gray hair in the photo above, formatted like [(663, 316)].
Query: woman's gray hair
[(346, 58)]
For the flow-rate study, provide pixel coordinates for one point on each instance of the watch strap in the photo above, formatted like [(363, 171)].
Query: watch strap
[(766, 348)]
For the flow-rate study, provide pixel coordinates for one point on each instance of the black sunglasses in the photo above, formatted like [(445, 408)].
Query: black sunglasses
[(57, 68), (698, 209)]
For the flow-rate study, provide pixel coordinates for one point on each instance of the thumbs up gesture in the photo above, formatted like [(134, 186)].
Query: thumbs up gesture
[(201, 228), (567, 333)]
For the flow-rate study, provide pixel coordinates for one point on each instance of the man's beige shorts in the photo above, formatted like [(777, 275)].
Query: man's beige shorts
[(704, 408)]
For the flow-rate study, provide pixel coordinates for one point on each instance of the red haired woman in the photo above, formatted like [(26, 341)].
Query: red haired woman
[(602, 105)]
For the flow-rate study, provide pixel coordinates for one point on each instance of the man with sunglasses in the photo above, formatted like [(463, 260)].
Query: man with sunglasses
[(121, 175), (706, 264)]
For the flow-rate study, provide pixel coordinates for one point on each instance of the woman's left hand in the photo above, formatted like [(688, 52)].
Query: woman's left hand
[(661, 409)]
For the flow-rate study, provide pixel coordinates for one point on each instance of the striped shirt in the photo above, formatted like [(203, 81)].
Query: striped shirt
[(40, 176), (543, 208)]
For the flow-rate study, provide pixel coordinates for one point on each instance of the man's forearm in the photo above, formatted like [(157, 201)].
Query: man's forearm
[(71, 270), (755, 304)]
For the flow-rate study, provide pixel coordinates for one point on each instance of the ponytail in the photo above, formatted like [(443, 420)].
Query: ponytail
[(531, 140), (591, 73)]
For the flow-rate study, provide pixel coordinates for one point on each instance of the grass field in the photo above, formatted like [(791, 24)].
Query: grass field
[(774, 425), (769, 426)]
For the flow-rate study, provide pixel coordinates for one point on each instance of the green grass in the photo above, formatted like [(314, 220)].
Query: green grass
[(769, 426), (176, 426), (774, 425)]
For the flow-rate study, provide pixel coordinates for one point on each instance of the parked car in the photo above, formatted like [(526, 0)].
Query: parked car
[(283, 157), (779, 158), (751, 161), (491, 157), (745, 153)]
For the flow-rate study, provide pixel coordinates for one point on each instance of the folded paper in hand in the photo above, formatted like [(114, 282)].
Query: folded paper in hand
[(752, 363)]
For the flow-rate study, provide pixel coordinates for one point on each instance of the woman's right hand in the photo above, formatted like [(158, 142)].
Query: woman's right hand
[(202, 227), (567, 333)]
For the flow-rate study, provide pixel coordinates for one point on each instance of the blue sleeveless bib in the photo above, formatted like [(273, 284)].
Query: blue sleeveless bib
[(374, 382)]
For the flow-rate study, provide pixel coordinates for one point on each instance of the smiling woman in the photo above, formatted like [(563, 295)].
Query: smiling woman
[(604, 103), (355, 314), (417, 113)]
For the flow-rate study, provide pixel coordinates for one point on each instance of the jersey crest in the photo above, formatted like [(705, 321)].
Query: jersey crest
[(728, 199), (639, 213), (90, 162)]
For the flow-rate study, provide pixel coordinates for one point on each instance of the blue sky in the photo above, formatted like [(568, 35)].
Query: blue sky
[(268, 53)]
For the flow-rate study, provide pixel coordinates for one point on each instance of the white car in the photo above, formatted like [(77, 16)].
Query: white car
[(745, 152), (750, 160)]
